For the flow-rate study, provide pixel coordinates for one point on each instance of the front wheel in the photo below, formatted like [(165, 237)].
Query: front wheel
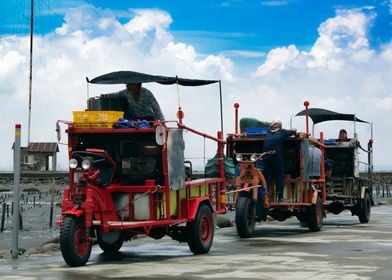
[(75, 244), (364, 209), (316, 215), (245, 216), (201, 231)]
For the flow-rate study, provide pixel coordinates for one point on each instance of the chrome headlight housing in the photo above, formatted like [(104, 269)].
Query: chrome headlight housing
[(86, 164), (73, 163), (253, 157), (238, 157)]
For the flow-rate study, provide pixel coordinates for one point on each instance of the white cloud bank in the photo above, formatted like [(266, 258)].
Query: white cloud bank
[(340, 72)]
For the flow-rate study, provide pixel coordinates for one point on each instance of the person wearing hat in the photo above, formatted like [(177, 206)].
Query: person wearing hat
[(273, 162)]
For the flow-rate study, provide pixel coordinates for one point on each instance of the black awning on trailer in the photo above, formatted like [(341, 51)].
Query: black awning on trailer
[(130, 77), (321, 115)]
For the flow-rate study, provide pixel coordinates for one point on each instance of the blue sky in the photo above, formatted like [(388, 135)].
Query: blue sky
[(270, 56), (237, 25)]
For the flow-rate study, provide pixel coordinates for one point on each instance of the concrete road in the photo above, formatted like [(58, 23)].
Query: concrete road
[(344, 249)]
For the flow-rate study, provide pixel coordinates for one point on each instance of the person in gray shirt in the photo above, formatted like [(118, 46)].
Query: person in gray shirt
[(142, 104)]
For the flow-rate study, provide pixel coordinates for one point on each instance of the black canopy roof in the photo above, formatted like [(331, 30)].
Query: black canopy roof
[(129, 77), (321, 115)]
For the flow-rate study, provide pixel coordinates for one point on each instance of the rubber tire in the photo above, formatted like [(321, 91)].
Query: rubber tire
[(74, 245), (302, 221), (109, 247), (245, 216), (316, 215), (365, 209), (200, 232)]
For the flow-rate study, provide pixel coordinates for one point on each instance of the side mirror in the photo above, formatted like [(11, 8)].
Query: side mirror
[(160, 135)]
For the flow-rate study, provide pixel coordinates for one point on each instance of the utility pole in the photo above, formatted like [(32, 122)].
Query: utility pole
[(31, 67)]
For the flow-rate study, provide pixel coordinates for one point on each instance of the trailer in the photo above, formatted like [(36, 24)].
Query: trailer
[(304, 194), (347, 187)]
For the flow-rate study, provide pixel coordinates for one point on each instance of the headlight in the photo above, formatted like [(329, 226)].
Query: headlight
[(86, 163), (73, 163), (238, 157), (253, 157)]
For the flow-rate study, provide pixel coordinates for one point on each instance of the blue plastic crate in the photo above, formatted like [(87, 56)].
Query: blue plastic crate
[(330, 141), (256, 131)]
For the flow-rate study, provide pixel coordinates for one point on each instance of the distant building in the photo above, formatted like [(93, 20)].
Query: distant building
[(39, 156)]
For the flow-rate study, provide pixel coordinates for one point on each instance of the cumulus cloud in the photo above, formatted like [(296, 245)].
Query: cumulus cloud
[(148, 20), (221, 66), (240, 53), (342, 41), (181, 51), (84, 18), (90, 43), (12, 59), (278, 59), (340, 72)]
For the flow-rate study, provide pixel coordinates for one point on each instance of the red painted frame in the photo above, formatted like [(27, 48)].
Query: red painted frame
[(99, 210)]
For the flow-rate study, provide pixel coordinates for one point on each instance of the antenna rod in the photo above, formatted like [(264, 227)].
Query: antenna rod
[(31, 67), (220, 100)]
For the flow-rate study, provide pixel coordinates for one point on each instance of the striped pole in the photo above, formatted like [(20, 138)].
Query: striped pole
[(15, 218)]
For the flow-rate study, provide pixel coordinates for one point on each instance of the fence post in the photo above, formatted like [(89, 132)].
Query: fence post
[(52, 188), (3, 217)]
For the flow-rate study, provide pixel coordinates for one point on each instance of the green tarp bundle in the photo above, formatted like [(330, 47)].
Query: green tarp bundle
[(251, 123), (211, 169)]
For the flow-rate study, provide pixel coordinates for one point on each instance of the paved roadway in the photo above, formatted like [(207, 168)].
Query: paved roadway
[(344, 249)]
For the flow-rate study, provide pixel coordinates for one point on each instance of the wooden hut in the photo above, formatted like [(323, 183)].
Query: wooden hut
[(39, 156)]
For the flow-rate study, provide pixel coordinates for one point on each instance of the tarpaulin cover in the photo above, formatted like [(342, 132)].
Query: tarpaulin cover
[(321, 115), (130, 77)]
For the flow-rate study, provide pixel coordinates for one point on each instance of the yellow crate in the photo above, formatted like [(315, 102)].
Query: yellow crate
[(93, 125), (96, 119)]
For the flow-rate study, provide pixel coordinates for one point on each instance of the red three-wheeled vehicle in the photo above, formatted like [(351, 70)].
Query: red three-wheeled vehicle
[(130, 178)]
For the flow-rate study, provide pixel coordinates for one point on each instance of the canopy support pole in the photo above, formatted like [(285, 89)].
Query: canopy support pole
[(221, 108)]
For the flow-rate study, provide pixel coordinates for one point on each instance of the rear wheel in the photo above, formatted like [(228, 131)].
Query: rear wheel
[(245, 216), (365, 209), (201, 231), (75, 245), (110, 242), (302, 218), (316, 215)]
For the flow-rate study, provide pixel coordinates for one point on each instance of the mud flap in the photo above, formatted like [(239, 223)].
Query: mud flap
[(363, 192), (314, 201), (75, 211)]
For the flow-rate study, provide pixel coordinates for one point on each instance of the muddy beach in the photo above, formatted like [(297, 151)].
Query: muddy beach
[(38, 231)]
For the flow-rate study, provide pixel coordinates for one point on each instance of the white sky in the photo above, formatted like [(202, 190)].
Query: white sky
[(340, 72)]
